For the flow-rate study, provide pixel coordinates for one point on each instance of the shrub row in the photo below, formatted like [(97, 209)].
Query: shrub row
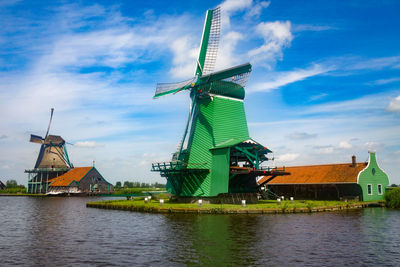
[(392, 198)]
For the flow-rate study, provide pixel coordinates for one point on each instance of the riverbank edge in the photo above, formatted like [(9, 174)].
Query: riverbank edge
[(239, 210), (21, 195)]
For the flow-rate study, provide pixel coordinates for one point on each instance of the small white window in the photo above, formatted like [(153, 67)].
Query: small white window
[(369, 189), (379, 189)]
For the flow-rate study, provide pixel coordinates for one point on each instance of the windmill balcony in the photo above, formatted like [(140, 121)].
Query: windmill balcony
[(167, 166)]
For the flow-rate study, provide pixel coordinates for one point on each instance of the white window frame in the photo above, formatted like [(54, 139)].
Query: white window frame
[(380, 192), (372, 192)]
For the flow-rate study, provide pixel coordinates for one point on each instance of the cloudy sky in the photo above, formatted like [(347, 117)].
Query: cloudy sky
[(325, 83)]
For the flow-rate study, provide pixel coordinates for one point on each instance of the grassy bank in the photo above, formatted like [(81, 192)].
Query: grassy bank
[(135, 190), (15, 190), (21, 195), (392, 198), (264, 206)]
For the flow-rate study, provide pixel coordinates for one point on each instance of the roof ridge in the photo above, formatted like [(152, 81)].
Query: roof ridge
[(331, 164)]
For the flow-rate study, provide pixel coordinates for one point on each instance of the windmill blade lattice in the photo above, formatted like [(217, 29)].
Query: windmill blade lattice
[(240, 79), (213, 41), (169, 88)]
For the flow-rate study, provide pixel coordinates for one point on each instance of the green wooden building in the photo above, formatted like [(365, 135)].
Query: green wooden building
[(363, 181), (373, 180)]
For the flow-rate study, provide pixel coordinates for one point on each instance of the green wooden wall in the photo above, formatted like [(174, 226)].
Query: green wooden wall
[(215, 121), (372, 176)]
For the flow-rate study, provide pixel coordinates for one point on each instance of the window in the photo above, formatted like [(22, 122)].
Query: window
[(379, 189), (373, 171), (369, 189)]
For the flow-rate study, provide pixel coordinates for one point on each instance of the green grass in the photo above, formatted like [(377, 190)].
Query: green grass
[(135, 190), (262, 205)]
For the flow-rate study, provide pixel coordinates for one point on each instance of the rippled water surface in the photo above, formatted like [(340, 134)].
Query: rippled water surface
[(62, 231)]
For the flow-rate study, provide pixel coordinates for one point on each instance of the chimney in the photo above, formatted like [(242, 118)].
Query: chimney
[(353, 161)]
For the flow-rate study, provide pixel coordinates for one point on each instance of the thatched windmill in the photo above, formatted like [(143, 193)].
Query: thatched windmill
[(53, 152), (51, 162)]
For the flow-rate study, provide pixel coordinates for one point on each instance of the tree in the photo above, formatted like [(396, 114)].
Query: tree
[(393, 185), (158, 185), (128, 184), (11, 184), (118, 185)]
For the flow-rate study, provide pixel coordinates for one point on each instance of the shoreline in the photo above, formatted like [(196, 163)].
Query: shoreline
[(21, 195), (284, 208)]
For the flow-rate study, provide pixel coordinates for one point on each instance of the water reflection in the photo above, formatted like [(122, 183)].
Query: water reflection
[(62, 231)]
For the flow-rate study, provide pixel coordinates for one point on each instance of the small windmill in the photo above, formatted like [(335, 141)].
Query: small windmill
[(208, 162), (53, 151)]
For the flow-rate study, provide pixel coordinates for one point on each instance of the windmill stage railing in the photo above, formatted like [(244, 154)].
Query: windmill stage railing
[(167, 166)]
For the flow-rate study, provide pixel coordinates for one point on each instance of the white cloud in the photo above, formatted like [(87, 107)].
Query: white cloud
[(372, 64), (318, 96), (323, 149), (281, 79), (87, 144), (256, 10), (365, 103), (308, 27), (384, 81), (394, 105), (185, 57), (373, 146), (277, 35), (301, 136), (287, 157), (229, 7), (345, 145), (226, 51)]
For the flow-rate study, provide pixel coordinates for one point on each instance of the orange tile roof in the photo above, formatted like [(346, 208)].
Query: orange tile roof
[(76, 174), (318, 174)]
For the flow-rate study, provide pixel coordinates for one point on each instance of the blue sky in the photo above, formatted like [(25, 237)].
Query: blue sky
[(325, 83)]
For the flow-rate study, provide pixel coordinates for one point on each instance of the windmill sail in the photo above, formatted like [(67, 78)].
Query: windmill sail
[(48, 128), (227, 73), (40, 157), (36, 139), (170, 88), (209, 42)]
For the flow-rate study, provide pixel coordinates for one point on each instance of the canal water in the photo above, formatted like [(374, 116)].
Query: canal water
[(63, 232)]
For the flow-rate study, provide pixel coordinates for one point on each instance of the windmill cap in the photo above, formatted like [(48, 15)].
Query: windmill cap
[(228, 89), (54, 139)]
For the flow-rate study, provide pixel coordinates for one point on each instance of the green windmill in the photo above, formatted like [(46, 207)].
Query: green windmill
[(216, 155)]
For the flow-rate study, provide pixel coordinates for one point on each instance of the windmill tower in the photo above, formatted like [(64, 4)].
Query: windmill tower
[(216, 155), (51, 162)]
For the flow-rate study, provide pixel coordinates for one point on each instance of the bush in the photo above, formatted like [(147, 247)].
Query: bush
[(14, 190), (392, 198)]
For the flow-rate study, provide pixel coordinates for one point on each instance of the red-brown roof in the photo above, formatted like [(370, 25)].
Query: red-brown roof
[(76, 174), (318, 174)]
